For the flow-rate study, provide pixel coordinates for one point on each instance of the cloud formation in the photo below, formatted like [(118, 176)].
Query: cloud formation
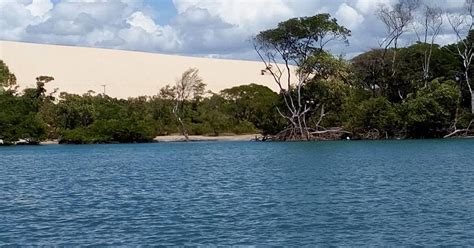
[(214, 28)]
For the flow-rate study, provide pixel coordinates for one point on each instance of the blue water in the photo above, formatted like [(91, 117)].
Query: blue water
[(239, 193)]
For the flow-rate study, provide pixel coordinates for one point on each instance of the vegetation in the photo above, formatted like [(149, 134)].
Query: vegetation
[(419, 91), (188, 87), (423, 90), (300, 42), (34, 115)]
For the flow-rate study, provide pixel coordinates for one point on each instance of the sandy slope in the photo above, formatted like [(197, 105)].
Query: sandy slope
[(126, 73)]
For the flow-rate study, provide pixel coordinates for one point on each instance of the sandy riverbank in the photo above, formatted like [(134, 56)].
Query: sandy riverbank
[(49, 142), (177, 138), (180, 138)]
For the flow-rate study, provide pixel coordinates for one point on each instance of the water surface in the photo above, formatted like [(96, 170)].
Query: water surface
[(239, 193)]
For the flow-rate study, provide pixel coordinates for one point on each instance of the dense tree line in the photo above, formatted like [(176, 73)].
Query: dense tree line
[(423, 90), (419, 91), (34, 115)]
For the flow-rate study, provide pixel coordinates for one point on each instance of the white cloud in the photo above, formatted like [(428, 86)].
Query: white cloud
[(218, 28), (39, 7), (248, 15), (348, 16), (445, 39), (138, 19), (369, 6)]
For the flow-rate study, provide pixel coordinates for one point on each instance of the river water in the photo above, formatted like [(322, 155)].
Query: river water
[(413, 192)]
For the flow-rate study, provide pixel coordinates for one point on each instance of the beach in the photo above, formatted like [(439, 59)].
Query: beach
[(192, 138), (178, 138)]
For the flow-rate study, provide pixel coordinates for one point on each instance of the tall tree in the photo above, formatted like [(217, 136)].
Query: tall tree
[(369, 70), (462, 24), (299, 42), (431, 20), (189, 87), (396, 19)]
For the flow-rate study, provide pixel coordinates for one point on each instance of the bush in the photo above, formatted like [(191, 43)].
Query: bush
[(374, 116), (244, 127), (110, 131), (430, 111)]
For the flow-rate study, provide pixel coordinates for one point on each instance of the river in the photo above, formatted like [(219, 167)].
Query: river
[(344, 193)]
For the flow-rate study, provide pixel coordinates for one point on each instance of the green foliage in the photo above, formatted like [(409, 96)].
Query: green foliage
[(369, 70), (19, 119), (374, 116), (298, 38), (430, 111), (101, 119), (255, 104), (373, 70), (7, 79), (327, 96), (110, 131)]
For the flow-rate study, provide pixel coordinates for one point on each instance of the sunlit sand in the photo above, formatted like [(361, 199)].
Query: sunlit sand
[(124, 73)]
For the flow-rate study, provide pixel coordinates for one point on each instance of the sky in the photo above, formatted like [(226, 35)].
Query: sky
[(205, 28)]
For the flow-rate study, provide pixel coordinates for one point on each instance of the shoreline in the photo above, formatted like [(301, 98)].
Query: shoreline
[(193, 138), (242, 137)]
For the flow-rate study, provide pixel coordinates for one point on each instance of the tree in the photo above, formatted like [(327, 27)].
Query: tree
[(371, 69), (432, 20), (368, 70), (396, 20), (297, 42), (7, 79), (253, 103), (41, 81), (372, 118), (101, 119), (211, 113), (429, 112), (462, 24), (19, 119), (189, 87)]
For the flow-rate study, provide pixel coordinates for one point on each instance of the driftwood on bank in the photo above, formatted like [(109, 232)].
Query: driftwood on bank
[(465, 132), (289, 134)]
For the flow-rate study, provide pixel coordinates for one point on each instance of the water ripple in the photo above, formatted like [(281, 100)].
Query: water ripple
[(239, 193)]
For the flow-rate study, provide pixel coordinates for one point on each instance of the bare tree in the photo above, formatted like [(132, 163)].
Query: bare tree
[(431, 20), (189, 87), (396, 19), (462, 24)]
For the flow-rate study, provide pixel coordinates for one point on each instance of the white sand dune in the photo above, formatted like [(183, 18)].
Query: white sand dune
[(125, 73)]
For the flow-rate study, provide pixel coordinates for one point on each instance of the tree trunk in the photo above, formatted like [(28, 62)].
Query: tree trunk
[(472, 102), (184, 132), (183, 129), (471, 90)]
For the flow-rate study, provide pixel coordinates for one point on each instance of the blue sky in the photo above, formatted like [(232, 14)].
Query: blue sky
[(209, 28), (165, 10)]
